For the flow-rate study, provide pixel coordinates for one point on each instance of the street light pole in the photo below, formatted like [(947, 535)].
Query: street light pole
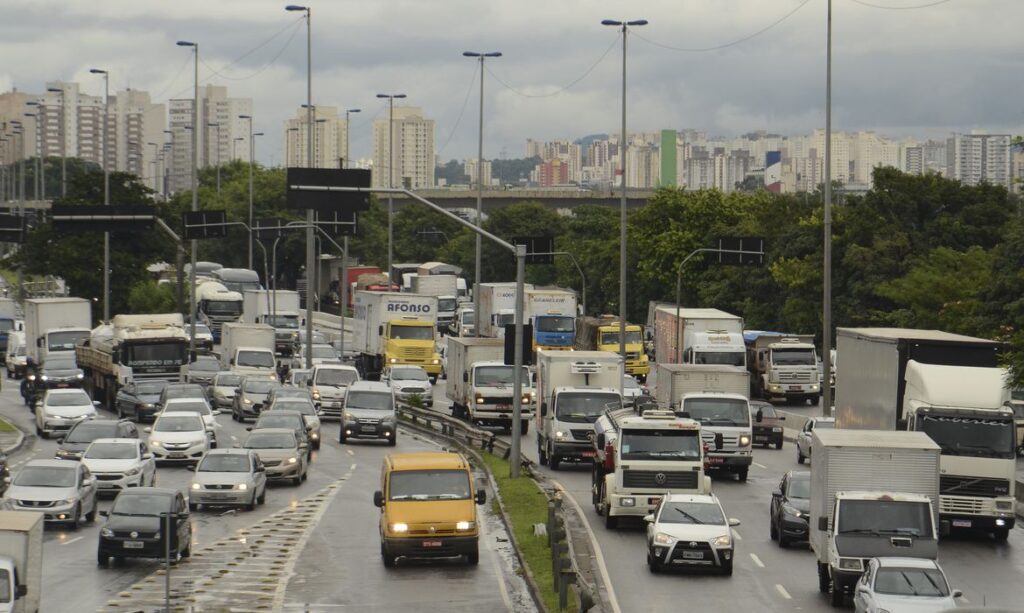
[(252, 150), (391, 166), (63, 141), (195, 191), (348, 132), (826, 334), (106, 188), (624, 25), (479, 182)]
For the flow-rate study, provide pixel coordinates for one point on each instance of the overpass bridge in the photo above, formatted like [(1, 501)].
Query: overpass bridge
[(552, 198)]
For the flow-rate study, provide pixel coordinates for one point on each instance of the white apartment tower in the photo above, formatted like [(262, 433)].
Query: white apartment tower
[(217, 144), (329, 139), (413, 143), (973, 158)]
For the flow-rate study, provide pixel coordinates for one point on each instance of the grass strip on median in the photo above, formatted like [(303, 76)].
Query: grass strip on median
[(5, 426), (525, 505)]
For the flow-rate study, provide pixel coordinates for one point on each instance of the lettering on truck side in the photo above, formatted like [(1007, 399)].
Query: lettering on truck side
[(394, 307)]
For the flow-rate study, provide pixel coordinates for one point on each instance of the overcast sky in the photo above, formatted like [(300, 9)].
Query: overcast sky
[(954, 66)]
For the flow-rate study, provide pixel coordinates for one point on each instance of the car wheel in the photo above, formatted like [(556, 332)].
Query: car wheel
[(799, 456), (610, 521), (778, 445), (262, 497), (653, 563), (251, 505), (823, 579), (473, 558), (91, 517), (102, 559), (389, 560), (297, 480), (77, 521), (773, 531), (783, 541), (727, 568)]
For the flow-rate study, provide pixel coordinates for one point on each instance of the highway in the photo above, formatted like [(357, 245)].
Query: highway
[(311, 547)]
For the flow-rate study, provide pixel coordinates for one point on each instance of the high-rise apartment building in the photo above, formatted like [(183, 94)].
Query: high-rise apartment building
[(217, 143), (412, 140), (329, 139), (469, 167), (973, 158)]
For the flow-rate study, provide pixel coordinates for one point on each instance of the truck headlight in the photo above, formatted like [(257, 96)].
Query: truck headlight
[(722, 541), (465, 525), (526, 399), (479, 399), (559, 434), (399, 527), (44, 377), (1004, 505), (393, 360), (628, 502), (435, 361), (814, 387), (744, 440), (80, 376), (663, 539), (196, 486), (855, 564)]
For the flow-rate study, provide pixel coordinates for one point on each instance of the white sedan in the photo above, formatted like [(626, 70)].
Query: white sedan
[(803, 438), (196, 405), (903, 584), (120, 463), (62, 408), (407, 381), (689, 531), (178, 437)]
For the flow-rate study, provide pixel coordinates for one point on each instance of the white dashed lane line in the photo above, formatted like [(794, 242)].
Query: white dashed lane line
[(736, 535), (74, 540), (782, 591), (761, 466), (757, 560)]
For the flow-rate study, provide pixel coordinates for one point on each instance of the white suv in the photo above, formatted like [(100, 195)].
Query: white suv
[(328, 385), (691, 531)]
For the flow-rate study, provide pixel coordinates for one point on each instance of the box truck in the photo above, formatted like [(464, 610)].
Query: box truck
[(392, 328), (279, 309), (8, 323), (698, 336), (445, 288), (55, 325), (21, 561), (552, 312), (480, 384), (497, 307), (783, 366), (248, 349)]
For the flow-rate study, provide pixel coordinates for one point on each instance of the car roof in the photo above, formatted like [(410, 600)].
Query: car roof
[(696, 498), (799, 474), (231, 450), (65, 391), (369, 386), (427, 459), (273, 431), (184, 386), (148, 491), (823, 419), (335, 366), (133, 441), (51, 463), (279, 412), (189, 400), (900, 562)]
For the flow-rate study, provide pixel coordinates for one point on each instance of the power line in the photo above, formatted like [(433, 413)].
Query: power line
[(458, 119), (900, 8), (731, 43), (173, 80), (564, 87), (270, 62)]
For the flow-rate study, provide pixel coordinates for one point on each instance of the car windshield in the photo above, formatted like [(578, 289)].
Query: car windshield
[(150, 388), (255, 359), (612, 338), (885, 517), (968, 436), (196, 406), (704, 513), (556, 323), (499, 376), (369, 400), (290, 322), (336, 376), (718, 411), (227, 380), (726, 358), (88, 431), (141, 504), (179, 423), (270, 440), (73, 399), (306, 408), (259, 386), (274, 420), (412, 333), (429, 485), (46, 476), (794, 357), (300, 377), (585, 407), (409, 374), (799, 486), (60, 364), (205, 365), (65, 341), (112, 451), (767, 410), (660, 445), (225, 463), (911, 582)]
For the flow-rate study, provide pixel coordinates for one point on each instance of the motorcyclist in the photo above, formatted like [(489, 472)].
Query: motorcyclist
[(29, 384)]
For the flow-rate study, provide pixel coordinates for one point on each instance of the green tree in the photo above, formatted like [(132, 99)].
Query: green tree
[(149, 297)]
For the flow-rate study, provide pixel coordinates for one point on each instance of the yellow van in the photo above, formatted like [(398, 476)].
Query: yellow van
[(427, 511)]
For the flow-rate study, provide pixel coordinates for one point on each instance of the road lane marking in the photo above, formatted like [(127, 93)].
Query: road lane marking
[(782, 591), (760, 466), (350, 452), (605, 577), (757, 560), (737, 536), (74, 540)]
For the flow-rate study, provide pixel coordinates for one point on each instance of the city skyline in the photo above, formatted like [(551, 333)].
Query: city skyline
[(773, 81)]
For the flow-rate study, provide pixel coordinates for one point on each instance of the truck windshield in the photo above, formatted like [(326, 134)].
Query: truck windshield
[(290, 322), (884, 517), (6, 325), (447, 304), (378, 401), (336, 376), (794, 357), (718, 411), (154, 354), (255, 359), (226, 308), (468, 318), (505, 319), (728, 358), (412, 333), (612, 338), (583, 407), (428, 485), (911, 582), (965, 436), (498, 376), (660, 445), (65, 341), (241, 286), (555, 323)]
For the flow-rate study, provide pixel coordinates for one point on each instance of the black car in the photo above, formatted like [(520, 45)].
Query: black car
[(57, 372), (138, 400), (791, 508), (180, 390), (136, 526), (73, 445), (286, 419)]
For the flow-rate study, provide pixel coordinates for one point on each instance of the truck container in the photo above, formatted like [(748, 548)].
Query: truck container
[(248, 349), (392, 328), (574, 388), (480, 384), (352, 274), (497, 307), (950, 387), (698, 336), (21, 561), (640, 458), (132, 348), (783, 366), (873, 494), (278, 309), (55, 325), (445, 288), (238, 280), (216, 305), (716, 397), (602, 334), (8, 323)]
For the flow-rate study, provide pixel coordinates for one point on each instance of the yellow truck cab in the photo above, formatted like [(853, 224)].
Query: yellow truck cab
[(427, 507), (602, 334), (411, 341)]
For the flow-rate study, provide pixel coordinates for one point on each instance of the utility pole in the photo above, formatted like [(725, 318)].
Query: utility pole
[(195, 191), (826, 333), (391, 167), (106, 189)]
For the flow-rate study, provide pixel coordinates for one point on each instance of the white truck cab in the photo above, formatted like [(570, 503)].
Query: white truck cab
[(725, 427)]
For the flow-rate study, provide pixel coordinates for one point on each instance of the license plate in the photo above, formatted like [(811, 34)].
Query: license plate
[(962, 523), (504, 407), (431, 543), (714, 460), (693, 555), (134, 544), (588, 454), (760, 437), (367, 428), (794, 388), (175, 454), (62, 385)]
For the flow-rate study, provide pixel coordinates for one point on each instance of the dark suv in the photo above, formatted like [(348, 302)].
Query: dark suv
[(138, 400), (135, 528), (73, 444), (768, 424)]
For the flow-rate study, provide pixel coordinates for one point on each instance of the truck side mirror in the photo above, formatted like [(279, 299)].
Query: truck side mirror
[(465, 377), (600, 441), (115, 356), (380, 330), (543, 410), (39, 341), (22, 590), (719, 440), (823, 524), (378, 498)]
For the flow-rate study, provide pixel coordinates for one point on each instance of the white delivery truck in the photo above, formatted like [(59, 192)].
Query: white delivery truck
[(640, 458), (497, 307), (21, 561), (445, 288), (715, 397), (873, 494), (248, 349), (574, 388), (279, 309), (393, 328), (55, 325), (698, 336), (783, 366), (8, 323), (950, 387), (480, 384), (552, 312)]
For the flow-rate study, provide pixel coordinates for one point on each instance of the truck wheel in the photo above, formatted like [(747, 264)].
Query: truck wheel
[(836, 596), (524, 427), (599, 500), (554, 461), (473, 558), (542, 457), (741, 473), (1001, 534), (610, 521), (388, 559), (799, 456), (778, 445), (823, 580)]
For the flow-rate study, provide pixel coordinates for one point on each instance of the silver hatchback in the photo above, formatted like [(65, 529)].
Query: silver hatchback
[(229, 477)]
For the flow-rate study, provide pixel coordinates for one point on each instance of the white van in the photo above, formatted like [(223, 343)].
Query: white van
[(15, 358)]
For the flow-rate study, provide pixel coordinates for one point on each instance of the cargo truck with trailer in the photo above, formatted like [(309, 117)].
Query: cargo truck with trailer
[(55, 326), (480, 384), (395, 328), (21, 561), (873, 494), (279, 309), (698, 336), (216, 305), (950, 387)]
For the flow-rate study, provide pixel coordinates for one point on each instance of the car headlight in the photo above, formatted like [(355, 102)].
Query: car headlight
[(106, 533), (67, 501), (399, 527), (132, 472), (791, 510), (465, 525), (31, 377), (148, 405), (559, 434), (153, 443), (314, 435), (64, 453), (44, 377), (196, 486), (293, 460), (855, 564), (723, 541), (247, 401), (80, 376), (242, 486), (744, 440), (316, 394), (663, 539)]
